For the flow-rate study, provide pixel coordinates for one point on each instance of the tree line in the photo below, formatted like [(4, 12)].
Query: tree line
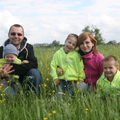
[(93, 29)]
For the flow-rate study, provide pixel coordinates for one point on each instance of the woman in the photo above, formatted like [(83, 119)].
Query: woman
[(92, 59)]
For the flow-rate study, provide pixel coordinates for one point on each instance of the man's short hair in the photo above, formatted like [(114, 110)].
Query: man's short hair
[(16, 25), (111, 57)]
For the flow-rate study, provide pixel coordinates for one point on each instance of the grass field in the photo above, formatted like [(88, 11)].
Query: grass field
[(79, 107)]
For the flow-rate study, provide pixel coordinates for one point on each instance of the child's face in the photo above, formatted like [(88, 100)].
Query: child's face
[(70, 44), (10, 58), (110, 68)]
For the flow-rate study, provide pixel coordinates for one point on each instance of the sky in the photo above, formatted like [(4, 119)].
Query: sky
[(47, 20)]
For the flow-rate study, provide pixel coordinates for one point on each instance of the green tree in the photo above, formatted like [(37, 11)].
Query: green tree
[(112, 42), (55, 43), (96, 32)]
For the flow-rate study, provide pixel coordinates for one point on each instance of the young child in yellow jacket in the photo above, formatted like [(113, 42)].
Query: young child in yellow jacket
[(109, 83), (68, 59), (10, 54)]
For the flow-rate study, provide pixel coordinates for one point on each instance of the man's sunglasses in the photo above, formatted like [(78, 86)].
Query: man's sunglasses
[(13, 34)]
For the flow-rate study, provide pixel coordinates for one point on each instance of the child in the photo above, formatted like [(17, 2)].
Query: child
[(70, 62), (10, 54), (109, 83)]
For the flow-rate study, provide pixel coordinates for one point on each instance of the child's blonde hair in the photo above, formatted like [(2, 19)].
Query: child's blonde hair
[(72, 35), (111, 57)]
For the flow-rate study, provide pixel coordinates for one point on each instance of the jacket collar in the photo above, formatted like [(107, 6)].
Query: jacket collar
[(88, 55), (115, 76)]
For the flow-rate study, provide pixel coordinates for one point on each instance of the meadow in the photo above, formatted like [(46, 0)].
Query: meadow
[(78, 107)]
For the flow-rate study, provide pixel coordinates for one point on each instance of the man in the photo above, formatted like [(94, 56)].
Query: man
[(25, 50)]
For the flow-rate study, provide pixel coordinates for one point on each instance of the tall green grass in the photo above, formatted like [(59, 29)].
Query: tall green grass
[(78, 107)]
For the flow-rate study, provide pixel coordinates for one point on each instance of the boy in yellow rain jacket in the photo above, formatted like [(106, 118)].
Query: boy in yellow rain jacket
[(109, 83)]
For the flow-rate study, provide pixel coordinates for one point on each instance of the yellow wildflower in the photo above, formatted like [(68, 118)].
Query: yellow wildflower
[(72, 82), (77, 82), (45, 118), (54, 112), (50, 114), (53, 90), (86, 110), (45, 85)]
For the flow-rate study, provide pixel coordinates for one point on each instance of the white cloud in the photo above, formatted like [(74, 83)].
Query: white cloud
[(48, 20), (6, 20)]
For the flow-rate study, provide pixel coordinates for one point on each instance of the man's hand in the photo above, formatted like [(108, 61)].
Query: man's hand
[(57, 81), (5, 70)]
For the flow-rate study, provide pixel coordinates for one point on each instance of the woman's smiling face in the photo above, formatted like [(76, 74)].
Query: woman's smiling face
[(86, 45)]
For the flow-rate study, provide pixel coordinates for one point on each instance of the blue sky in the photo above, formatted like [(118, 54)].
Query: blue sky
[(48, 20)]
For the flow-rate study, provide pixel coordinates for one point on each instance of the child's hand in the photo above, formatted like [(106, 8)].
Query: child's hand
[(59, 71), (25, 61), (80, 81), (57, 81)]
